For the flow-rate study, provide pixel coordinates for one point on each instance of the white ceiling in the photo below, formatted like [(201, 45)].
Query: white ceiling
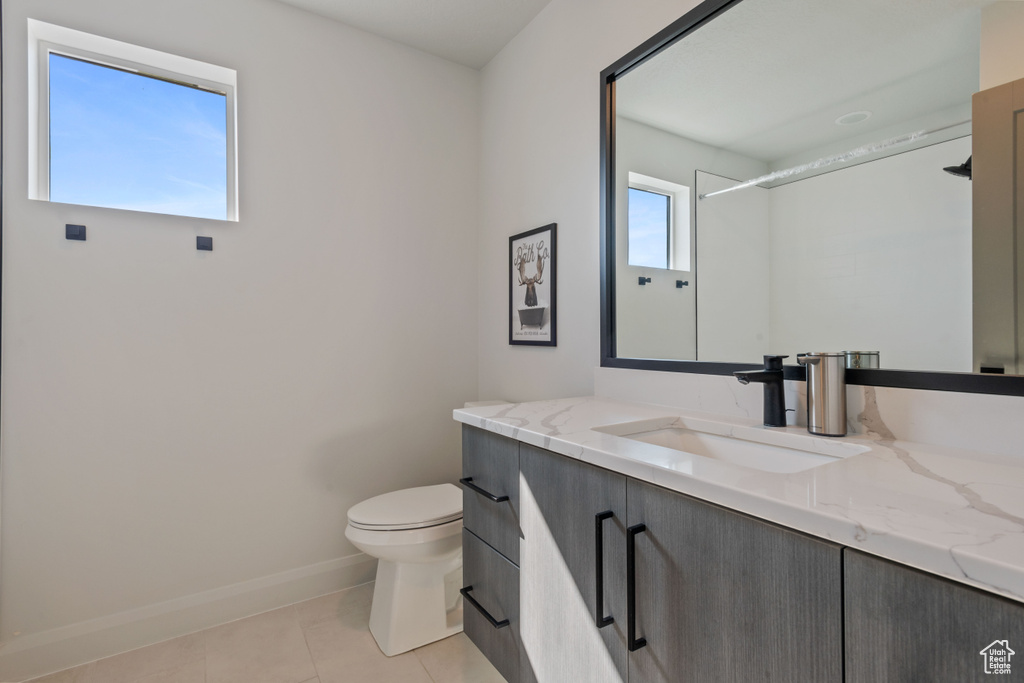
[(768, 78), (468, 32)]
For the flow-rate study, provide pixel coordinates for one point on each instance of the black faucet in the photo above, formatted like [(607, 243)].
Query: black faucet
[(774, 396)]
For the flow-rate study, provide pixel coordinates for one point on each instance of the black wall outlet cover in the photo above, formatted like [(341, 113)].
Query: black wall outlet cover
[(74, 232), (204, 243)]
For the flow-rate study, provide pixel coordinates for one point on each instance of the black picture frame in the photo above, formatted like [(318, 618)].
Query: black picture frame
[(532, 299)]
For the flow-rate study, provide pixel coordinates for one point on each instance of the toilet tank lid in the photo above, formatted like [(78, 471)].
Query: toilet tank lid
[(420, 506)]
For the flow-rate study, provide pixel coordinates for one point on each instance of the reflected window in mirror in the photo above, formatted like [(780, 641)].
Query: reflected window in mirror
[(650, 224), (658, 222)]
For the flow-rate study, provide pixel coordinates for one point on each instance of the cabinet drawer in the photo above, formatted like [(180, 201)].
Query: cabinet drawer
[(491, 462), (495, 586)]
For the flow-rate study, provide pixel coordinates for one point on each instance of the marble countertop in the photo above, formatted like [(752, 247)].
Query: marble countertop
[(952, 512)]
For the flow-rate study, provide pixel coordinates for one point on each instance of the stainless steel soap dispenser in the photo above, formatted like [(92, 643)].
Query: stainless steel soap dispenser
[(826, 392)]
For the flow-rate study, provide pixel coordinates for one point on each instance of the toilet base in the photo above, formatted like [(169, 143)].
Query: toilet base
[(415, 603)]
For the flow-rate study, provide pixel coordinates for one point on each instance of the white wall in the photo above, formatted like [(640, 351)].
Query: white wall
[(876, 257), (539, 164), (1002, 50), (183, 427)]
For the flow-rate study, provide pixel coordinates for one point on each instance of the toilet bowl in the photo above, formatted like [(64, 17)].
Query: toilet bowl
[(416, 536)]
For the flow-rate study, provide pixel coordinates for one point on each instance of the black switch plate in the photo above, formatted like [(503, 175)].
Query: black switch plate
[(74, 232), (204, 243)]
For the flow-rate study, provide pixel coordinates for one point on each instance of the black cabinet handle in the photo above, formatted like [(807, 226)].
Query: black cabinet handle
[(468, 482), (599, 518), (480, 608), (634, 642)]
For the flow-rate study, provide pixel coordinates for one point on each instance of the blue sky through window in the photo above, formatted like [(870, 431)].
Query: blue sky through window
[(648, 228), (126, 141)]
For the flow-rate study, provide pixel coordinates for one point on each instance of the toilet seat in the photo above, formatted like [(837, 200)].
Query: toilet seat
[(415, 508), (411, 544), (416, 537)]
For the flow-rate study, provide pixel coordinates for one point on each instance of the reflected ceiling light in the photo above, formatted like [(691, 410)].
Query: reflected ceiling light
[(853, 118)]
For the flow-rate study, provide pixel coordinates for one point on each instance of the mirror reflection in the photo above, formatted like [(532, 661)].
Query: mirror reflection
[(796, 175)]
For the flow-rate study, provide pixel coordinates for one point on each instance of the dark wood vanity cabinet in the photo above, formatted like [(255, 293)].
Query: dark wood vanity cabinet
[(490, 548), (494, 581), (718, 596), (905, 625), (569, 509), (490, 470), (721, 596)]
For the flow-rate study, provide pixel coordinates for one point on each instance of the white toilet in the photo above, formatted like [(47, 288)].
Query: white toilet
[(416, 536)]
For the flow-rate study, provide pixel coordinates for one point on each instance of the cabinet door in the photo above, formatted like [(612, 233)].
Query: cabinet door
[(997, 247), (561, 504), (495, 589), (721, 596), (905, 625), (491, 461)]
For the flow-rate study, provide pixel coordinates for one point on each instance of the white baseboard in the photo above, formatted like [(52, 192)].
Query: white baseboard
[(37, 654)]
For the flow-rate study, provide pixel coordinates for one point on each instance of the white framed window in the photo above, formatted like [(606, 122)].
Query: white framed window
[(658, 223), (122, 126)]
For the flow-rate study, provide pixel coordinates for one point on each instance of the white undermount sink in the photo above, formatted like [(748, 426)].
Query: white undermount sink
[(758, 448)]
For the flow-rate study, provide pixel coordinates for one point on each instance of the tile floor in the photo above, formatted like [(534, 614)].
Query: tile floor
[(324, 640)]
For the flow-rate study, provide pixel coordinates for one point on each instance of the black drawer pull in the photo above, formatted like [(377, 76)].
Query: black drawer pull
[(634, 642), (480, 608), (468, 482), (599, 518)]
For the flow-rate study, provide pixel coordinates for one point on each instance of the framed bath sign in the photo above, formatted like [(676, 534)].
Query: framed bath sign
[(531, 287)]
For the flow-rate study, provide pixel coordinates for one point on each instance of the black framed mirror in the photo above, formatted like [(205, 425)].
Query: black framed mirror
[(775, 134)]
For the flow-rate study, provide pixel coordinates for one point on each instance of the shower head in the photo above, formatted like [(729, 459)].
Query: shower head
[(963, 170)]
